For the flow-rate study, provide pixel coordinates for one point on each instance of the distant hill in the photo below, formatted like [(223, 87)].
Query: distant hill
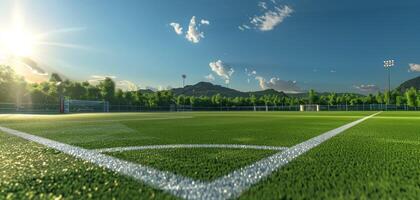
[(415, 82), (209, 89), (146, 91), (304, 95), (266, 92)]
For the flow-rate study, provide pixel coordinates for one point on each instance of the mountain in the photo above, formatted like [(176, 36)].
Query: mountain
[(146, 91), (415, 82), (266, 92), (209, 89), (305, 95)]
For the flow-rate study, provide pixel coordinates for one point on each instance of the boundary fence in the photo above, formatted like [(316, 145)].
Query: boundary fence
[(55, 108)]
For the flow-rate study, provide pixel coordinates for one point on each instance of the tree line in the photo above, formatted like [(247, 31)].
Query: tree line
[(14, 89)]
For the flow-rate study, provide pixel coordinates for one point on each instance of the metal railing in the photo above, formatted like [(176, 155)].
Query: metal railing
[(54, 108), (29, 108)]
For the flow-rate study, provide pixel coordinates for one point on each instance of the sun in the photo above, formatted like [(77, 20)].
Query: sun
[(16, 39), (18, 43)]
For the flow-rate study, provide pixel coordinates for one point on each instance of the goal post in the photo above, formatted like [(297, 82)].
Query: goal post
[(309, 107), (83, 106)]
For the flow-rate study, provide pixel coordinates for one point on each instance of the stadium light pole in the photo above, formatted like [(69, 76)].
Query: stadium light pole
[(387, 65), (60, 96), (183, 79)]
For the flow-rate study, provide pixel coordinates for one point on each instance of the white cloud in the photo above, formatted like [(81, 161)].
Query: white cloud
[(414, 67), (333, 71), (36, 70), (250, 73), (102, 77), (95, 79), (243, 27), (279, 85), (161, 88), (124, 85), (367, 88), (177, 28), (222, 70), (193, 34), (271, 18), (209, 77), (205, 22), (262, 4)]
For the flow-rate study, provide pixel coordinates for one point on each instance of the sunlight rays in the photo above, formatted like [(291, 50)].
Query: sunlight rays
[(61, 30), (19, 44)]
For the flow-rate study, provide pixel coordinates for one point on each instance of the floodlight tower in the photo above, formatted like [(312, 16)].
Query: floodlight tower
[(183, 79), (387, 65)]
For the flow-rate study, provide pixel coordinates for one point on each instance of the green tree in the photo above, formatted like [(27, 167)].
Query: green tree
[(267, 100), (180, 100), (312, 97), (332, 99), (12, 87), (379, 98), (55, 78), (107, 89), (119, 97), (400, 100), (410, 95)]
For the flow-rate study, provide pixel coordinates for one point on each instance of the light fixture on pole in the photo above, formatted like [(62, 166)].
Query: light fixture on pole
[(387, 65)]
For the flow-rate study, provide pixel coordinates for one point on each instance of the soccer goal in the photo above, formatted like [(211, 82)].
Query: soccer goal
[(82, 106), (309, 107)]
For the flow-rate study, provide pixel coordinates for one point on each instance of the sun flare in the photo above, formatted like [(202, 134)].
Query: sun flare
[(16, 39), (18, 43)]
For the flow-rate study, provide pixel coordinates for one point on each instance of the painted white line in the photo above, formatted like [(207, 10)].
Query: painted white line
[(233, 184), (229, 186), (158, 179), (177, 146)]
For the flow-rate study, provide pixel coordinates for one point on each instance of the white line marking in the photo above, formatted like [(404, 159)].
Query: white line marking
[(229, 186), (233, 184), (176, 146), (159, 179)]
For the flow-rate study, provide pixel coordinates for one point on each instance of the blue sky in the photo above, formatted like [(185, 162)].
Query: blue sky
[(325, 45)]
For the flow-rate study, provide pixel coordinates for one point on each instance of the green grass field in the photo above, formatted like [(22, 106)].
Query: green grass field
[(376, 159)]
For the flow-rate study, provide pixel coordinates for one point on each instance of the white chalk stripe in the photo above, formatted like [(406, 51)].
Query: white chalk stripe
[(233, 184), (158, 179), (177, 146)]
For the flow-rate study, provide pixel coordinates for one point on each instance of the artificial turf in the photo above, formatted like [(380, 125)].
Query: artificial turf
[(201, 164), (31, 171), (134, 129), (378, 159)]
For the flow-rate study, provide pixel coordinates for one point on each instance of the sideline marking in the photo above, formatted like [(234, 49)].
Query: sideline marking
[(159, 179), (176, 146), (226, 187)]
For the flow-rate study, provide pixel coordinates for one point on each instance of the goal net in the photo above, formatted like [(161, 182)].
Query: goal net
[(310, 107), (81, 106)]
